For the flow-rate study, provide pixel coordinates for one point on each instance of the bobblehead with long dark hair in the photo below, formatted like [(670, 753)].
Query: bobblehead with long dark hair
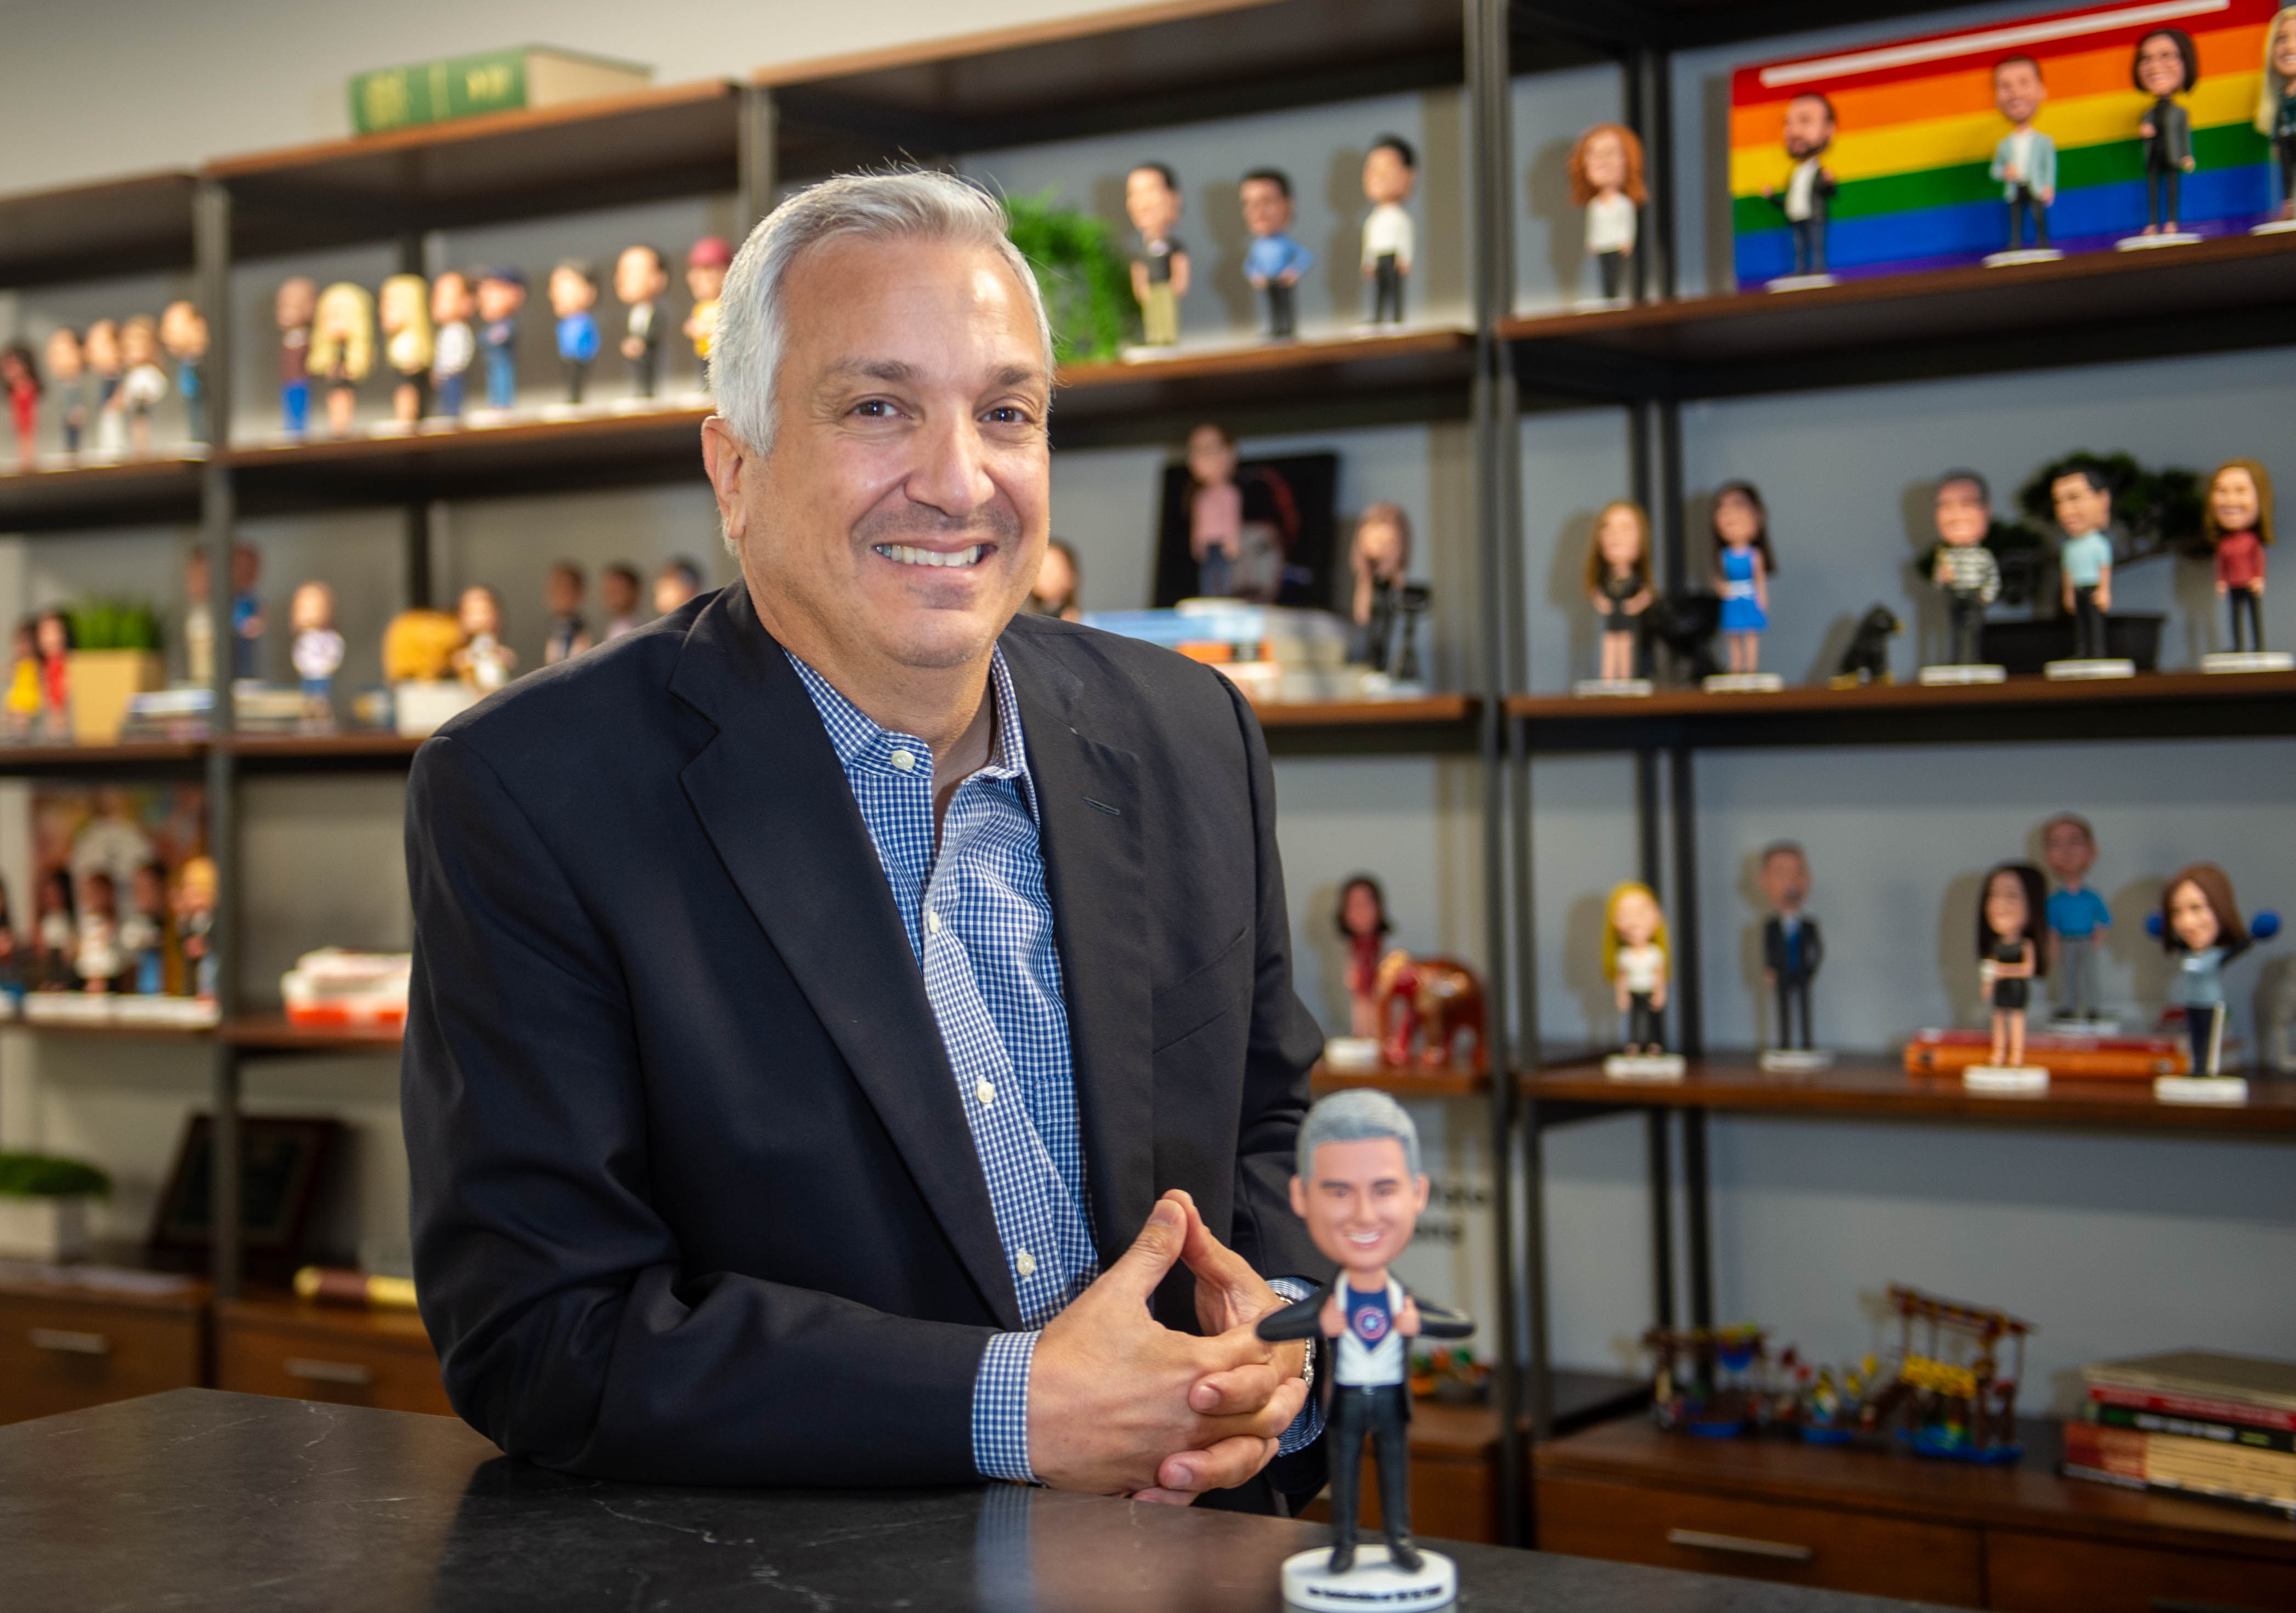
[(2036, 903), (2186, 51), (1752, 494), (2214, 886), (1379, 900)]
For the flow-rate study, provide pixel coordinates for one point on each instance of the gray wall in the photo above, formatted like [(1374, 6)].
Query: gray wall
[(2112, 1245)]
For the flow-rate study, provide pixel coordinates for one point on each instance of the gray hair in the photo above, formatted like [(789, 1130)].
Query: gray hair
[(909, 204), (1355, 1116)]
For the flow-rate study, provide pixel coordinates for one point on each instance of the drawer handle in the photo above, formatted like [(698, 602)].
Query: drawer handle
[(1739, 1545), (330, 1371), (70, 1343)]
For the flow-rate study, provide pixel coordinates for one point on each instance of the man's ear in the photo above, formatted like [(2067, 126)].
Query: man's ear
[(1420, 1188), (729, 460), (1298, 1198)]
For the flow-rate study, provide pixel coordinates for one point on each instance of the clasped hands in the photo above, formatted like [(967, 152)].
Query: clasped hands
[(1120, 1404)]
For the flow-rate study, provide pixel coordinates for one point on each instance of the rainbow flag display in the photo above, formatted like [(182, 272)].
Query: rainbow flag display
[(1915, 127)]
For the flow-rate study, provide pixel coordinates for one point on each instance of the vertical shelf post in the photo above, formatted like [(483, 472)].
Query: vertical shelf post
[(757, 155), (218, 525), (1491, 244)]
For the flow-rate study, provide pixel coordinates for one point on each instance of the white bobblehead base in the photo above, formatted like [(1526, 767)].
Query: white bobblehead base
[(1644, 1067), (2248, 661), (1611, 688), (2110, 665), (1955, 673), (1743, 683), (2005, 1079), (1796, 1061), (2200, 1089), (1374, 1581)]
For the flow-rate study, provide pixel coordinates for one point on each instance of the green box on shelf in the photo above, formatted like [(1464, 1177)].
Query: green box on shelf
[(491, 81)]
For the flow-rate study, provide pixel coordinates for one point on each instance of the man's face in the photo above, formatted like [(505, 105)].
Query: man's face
[(1962, 517), (2018, 91), (500, 299), (1785, 881), (570, 293), (2080, 508), (1810, 128), (1362, 1204), (1152, 205), (904, 507), (2160, 66), (1266, 209), (2069, 851), (638, 275), (1386, 176)]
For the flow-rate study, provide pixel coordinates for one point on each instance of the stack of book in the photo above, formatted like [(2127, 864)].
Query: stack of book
[(2191, 1422)]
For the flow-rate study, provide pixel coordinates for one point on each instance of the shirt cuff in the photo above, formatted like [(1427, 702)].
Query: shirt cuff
[(1000, 1408), (1308, 1427)]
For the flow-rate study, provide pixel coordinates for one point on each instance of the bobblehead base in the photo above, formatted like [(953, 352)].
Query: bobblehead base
[(2005, 1079), (1613, 688), (2146, 244), (2011, 259), (1799, 282), (1644, 1067), (1796, 1061), (2105, 667), (1742, 683), (1353, 1055), (1374, 1581), (2274, 226), (2229, 662), (1968, 672), (2201, 1089)]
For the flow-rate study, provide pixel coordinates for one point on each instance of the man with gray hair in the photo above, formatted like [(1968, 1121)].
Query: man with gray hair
[(852, 1038)]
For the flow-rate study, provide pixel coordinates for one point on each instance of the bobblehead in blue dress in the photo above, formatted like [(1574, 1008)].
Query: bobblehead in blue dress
[(1744, 565), (1361, 1191)]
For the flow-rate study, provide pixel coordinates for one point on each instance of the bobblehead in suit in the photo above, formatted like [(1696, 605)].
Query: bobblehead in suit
[(695, 1198), (1791, 959)]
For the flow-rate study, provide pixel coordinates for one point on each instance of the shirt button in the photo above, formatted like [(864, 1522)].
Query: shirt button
[(1026, 1261), (903, 760), (985, 1091), (932, 923)]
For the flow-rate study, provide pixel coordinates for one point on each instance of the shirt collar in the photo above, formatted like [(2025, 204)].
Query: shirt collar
[(864, 746)]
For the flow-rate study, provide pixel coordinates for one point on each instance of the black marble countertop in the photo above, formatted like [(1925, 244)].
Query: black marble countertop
[(198, 1499)]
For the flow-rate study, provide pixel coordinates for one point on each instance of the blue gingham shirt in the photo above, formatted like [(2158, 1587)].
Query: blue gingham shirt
[(981, 924)]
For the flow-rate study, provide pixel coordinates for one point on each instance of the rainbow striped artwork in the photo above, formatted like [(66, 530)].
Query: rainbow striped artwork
[(1915, 127)]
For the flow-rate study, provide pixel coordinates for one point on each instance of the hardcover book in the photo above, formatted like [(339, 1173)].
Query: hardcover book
[(492, 81)]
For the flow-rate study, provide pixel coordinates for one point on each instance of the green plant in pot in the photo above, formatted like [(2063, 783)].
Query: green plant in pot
[(115, 657), (1085, 280), (43, 1202)]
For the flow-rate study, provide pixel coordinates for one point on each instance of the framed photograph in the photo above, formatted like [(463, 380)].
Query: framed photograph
[(283, 1166), (1288, 534)]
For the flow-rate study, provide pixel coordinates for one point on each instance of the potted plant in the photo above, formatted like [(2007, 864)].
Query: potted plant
[(115, 657), (1086, 279), (44, 1206)]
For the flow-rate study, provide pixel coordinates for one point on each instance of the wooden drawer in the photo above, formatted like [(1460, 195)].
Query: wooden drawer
[(304, 1353), (60, 1352), (2043, 1574), (1760, 1540)]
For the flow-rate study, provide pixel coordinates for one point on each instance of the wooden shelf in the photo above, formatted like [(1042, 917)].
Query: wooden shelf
[(158, 756), (357, 750), (2223, 293), (93, 231), (612, 152), (2149, 705), (271, 1033), (68, 1031), (126, 492), (1870, 1087), (2029, 1495), (1408, 1081)]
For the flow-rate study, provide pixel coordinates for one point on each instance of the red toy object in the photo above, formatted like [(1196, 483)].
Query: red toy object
[(1439, 998), (1948, 1052)]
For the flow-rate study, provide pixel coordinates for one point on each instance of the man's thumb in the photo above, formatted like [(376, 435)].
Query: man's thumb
[(1152, 1253)]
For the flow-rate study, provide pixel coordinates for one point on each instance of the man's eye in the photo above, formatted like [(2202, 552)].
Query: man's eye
[(1009, 414), (875, 408)]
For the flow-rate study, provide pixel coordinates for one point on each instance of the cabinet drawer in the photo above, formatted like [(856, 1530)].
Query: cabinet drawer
[(2040, 1574), (390, 1374), (1760, 1540), (59, 1355)]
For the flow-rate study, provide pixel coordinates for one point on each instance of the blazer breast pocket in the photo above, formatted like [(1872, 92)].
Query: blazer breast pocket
[(1217, 988)]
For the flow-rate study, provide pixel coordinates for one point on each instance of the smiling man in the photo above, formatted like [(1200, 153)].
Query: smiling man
[(817, 990)]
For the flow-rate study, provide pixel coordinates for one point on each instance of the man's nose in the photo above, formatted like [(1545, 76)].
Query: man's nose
[(951, 471)]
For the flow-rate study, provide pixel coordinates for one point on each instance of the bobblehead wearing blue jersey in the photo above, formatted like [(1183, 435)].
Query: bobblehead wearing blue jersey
[(1361, 1191)]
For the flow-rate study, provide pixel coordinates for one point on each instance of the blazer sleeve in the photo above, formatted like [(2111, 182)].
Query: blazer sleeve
[(1774, 944), (1283, 1044), (1813, 946), (1301, 1318), (569, 1329), (1441, 1322)]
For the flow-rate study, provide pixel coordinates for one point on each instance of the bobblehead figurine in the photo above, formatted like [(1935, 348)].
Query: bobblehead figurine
[(453, 344), (2025, 160), (2083, 498), (292, 308), (318, 649), (1390, 172), (502, 293), (402, 311), (640, 278), (2010, 906), (183, 332), (1606, 179), (1364, 926), (2237, 517), (1361, 1191), (706, 263), (1381, 561), (617, 592), (484, 662), (142, 383), (1967, 574), (1159, 274), (1743, 565), (105, 366), (2166, 66), (1635, 961), (1792, 951), (2275, 112), (2076, 916), (1809, 187), (342, 349), (67, 374), (573, 293), (676, 584), (1619, 583), (19, 372), (569, 635), (1276, 261), (2202, 928), (1059, 586)]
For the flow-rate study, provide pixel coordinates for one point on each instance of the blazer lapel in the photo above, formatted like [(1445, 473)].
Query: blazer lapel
[(1088, 805), (776, 805)]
